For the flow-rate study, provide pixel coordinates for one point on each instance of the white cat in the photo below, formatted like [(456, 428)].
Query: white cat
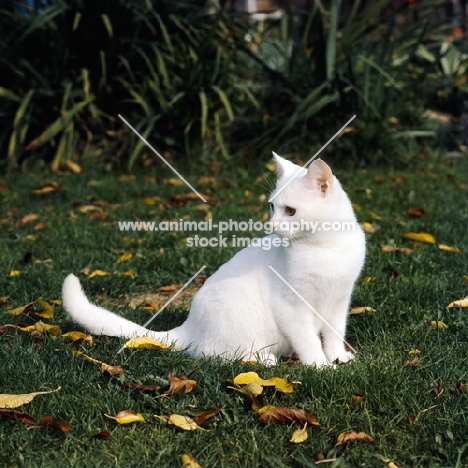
[(245, 310)]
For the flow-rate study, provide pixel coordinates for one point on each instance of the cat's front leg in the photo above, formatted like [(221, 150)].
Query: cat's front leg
[(333, 335), (309, 349)]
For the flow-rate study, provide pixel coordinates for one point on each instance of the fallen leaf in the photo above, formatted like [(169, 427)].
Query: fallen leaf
[(459, 304), (448, 248), (438, 324), (45, 310), (287, 415), (124, 258), (26, 220), (72, 166), (413, 363), (77, 335), (40, 226), (361, 310), (14, 273), (16, 416), (419, 237), (392, 248), (50, 421), (356, 207), (139, 387), (416, 212), (299, 435), (176, 384), (127, 417), (49, 187), (189, 462), (465, 278), (462, 387), (183, 422), (438, 390), (13, 401), (373, 215), (54, 330), (105, 368), (129, 273), (280, 384), (357, 398), (205, 415), (169, 288), (97, 273), (369, 228), (352, 436), (414, 351), (144, 342), (102, 435)]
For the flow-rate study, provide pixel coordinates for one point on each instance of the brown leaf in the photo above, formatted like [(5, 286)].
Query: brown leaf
[(438, 390), (140, 388), (101, 435), (16, 416), (26, 219), (169, 288), (176, 384), (49, 187), (416, 211), (285, 415), (413, 363), (50, 421), (205, 415), (352, 436), (40, 226), (392, 248)]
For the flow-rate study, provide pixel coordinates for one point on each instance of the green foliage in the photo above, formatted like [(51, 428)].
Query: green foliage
[(190, 75)]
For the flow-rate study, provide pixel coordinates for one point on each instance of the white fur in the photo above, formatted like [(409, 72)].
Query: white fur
[(244, 309)]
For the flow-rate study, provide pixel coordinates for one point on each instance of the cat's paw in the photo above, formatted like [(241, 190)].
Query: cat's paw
[(344, 357)]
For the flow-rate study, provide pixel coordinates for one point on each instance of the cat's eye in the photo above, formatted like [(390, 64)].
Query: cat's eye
[(290, 211)]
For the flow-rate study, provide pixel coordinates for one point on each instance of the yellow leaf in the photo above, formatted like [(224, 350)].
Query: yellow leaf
[(130, 273), (13, 401), (149, 201), (73, 167), (369, 228), (27, 329), (112, 370), (77, 335), (183, 422), (419, 237), (367, 279), (270, 166), (56, 301), (247, 377), (189, 462), (282, 385), (124, 258), (47, 312), (127, 417), (356, 207), (357, 398), (448, 248), (361, 310), (459, 304), (31, 238), (97, 273), (465, 278), (14, 273), (54, 330), (349, 436), (144, 342), (265, 408), (373, 215), (438, 324), (414, 351), (252, 388), (299, 435)]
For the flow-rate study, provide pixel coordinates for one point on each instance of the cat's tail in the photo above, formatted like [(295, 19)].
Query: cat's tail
[(97, 320)]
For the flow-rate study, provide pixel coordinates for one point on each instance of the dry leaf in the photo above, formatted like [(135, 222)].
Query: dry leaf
[(205, 415), (373, 215), (413, 363), (169, 288), (438, 324), (438, 390), (414, 351), (419, 237), (14, 273), (361, 310), (97, 273), (16, 416), (50, 421), (45, 310), (130, 273), (105, 368), (42, 327), (140, 388), (393, 248), (299, 435), (127, 417), (13, 401), (101, 435), (369, 228), (176, 384), (416, 212), (351, 436), (72, 166), (77, 335), (144, 342), (124, 258), (287, 416), (280, 384), (460, 303), (448, 248), (357, 398), (189, 462), (26, 219), (183, 422), (49, 187)]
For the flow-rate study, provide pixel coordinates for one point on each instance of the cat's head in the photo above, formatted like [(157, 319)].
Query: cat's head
[(307, 195)]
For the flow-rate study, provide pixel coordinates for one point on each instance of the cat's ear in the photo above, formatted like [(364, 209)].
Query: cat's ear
[(319, 175), (283, 166)]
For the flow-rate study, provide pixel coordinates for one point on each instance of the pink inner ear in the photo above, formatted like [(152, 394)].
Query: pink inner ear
[(319, 175)]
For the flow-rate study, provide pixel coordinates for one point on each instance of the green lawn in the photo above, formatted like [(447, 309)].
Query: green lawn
[(410, 423)]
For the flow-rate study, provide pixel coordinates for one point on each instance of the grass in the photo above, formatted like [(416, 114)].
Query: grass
[(407, 291)]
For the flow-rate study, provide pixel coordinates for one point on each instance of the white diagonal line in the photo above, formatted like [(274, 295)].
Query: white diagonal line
[(160, 157), (310, 307), (313, 157), (169, 301)]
